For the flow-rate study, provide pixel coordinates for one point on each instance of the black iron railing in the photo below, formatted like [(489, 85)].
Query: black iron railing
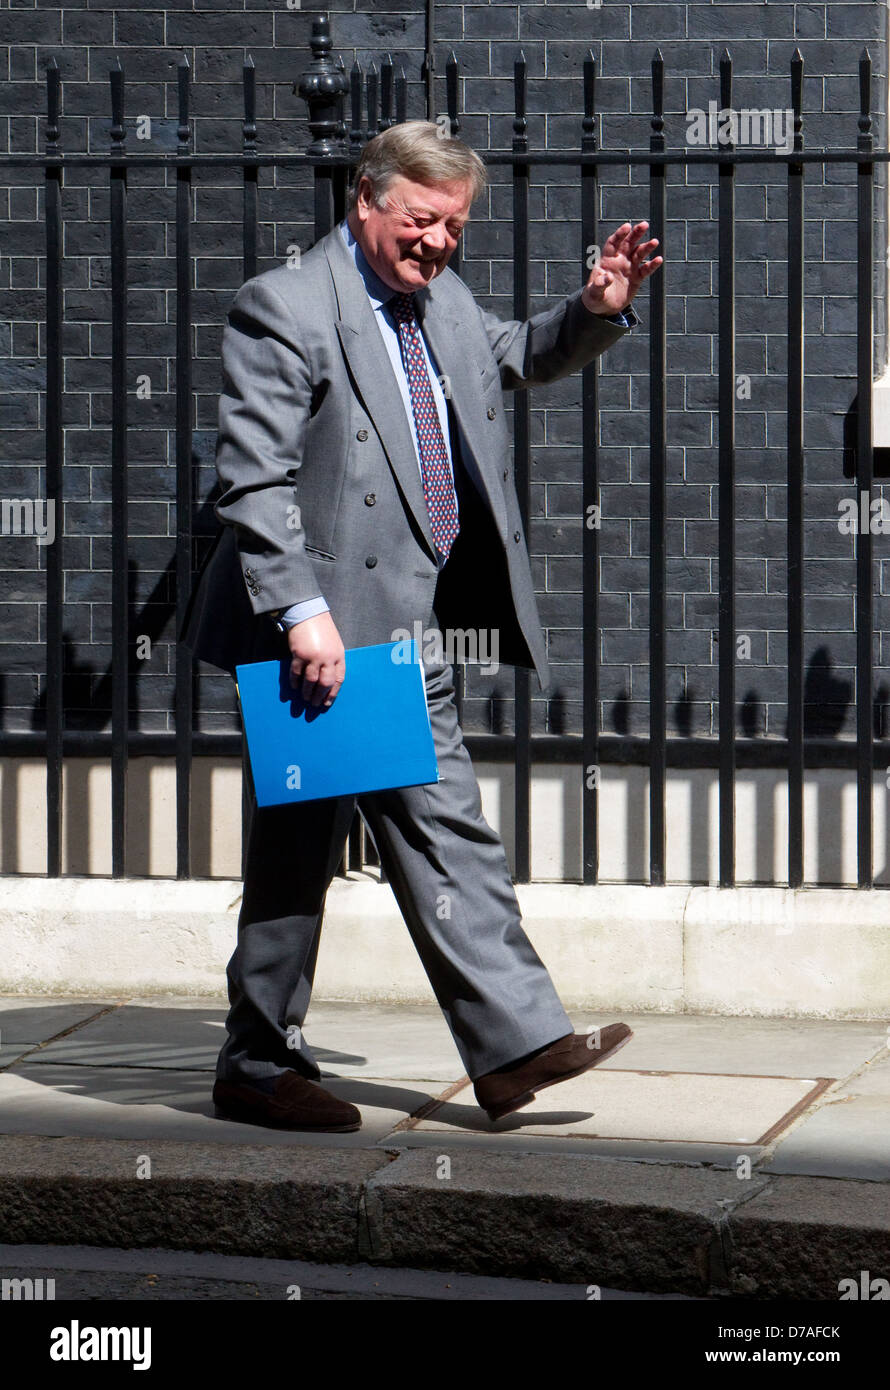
[(375, 101)]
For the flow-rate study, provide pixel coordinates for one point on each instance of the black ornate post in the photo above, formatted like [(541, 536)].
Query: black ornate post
[(323, 87)]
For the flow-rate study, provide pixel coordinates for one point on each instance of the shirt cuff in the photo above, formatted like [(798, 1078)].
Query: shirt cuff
[(627, 319), (309, 608)]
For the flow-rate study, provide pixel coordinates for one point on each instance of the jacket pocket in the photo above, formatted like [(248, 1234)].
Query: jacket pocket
[(319, 554)]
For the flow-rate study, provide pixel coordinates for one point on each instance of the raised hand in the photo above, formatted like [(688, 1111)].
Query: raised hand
[(621, 269)]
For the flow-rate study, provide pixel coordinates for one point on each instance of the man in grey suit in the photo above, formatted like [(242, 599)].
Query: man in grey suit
[(366, 483)]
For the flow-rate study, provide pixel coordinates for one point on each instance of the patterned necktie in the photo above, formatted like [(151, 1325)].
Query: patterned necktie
[(438, 488)]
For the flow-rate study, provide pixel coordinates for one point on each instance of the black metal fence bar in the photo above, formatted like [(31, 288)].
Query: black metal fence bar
[(451, 85), (333, 152), (55, 572), (555, 749), (251, 171), (794, 585), (864, 598), (184, 684), (590, 635), (249, 196), (372, 100), (657, 498), (624, 158), (726, 496), (522, 473), (120, 676)]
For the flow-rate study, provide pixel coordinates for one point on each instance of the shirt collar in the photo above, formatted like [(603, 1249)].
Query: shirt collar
[(378, 292)]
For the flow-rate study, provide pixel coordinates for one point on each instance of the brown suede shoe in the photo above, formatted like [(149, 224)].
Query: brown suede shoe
[(500, 1092), (295, 1104)]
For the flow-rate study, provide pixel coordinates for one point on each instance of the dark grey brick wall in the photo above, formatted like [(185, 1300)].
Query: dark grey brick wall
[(86, 39)]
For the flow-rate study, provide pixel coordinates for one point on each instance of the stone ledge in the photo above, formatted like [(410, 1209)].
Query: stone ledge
[(772, 952), (243, 1200), (660, 1228)]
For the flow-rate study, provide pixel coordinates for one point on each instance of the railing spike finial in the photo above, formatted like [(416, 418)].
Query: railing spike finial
[(248, 125), (386, 75), (520, 70), (355, 101), (657, 122), (588, 121), (183, 73), (451, 77), (372, 101), (118, 131), (865, 93), (401, 86), (726, 79), (53, 102), (797, 96)]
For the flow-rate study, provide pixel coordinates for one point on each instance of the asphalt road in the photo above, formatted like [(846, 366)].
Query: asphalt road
[(106, 1275)]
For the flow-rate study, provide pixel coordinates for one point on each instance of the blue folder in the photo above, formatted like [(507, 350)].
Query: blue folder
[(376, 734)]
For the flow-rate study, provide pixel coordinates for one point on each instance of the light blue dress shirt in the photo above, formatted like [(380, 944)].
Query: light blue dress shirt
[(378, 295)]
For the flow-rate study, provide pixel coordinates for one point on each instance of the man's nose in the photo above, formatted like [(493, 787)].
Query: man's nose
[(434, 240)]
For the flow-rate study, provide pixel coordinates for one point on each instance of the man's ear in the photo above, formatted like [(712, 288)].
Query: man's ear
[(364, 194)]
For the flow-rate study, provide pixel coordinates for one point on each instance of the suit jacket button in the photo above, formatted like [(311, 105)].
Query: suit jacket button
[(361, 434), (371, 561), (517, 535), (506, 474), (491, 412), (370, 499)]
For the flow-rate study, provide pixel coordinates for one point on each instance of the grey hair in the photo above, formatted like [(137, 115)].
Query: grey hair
[(418, 150)]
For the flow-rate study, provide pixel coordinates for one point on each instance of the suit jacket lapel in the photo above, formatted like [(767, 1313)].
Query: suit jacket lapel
[(446, 337), (377, 386), (374, 379)]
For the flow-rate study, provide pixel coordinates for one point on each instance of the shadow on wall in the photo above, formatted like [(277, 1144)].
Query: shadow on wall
[(761, 815), (86, 694)]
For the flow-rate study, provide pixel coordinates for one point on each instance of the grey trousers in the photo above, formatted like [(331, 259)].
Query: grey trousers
[(450, 877)]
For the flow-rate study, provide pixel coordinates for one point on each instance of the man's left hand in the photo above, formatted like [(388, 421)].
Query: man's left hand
[(621, 270)]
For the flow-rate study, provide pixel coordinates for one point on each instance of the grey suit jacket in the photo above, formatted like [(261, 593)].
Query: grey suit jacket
[(321, 488)]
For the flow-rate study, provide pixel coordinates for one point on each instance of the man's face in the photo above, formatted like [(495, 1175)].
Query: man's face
[(410, 240)]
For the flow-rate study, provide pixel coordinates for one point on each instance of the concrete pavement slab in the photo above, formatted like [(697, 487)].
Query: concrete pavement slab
[(871, 1080), (149, 1105), (750, 1046), (666, 1106), (508, 1139), (846, 1137), (143, 1035), (414, 1041), (382, 1040), (346, 1039), (26, 1022)]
